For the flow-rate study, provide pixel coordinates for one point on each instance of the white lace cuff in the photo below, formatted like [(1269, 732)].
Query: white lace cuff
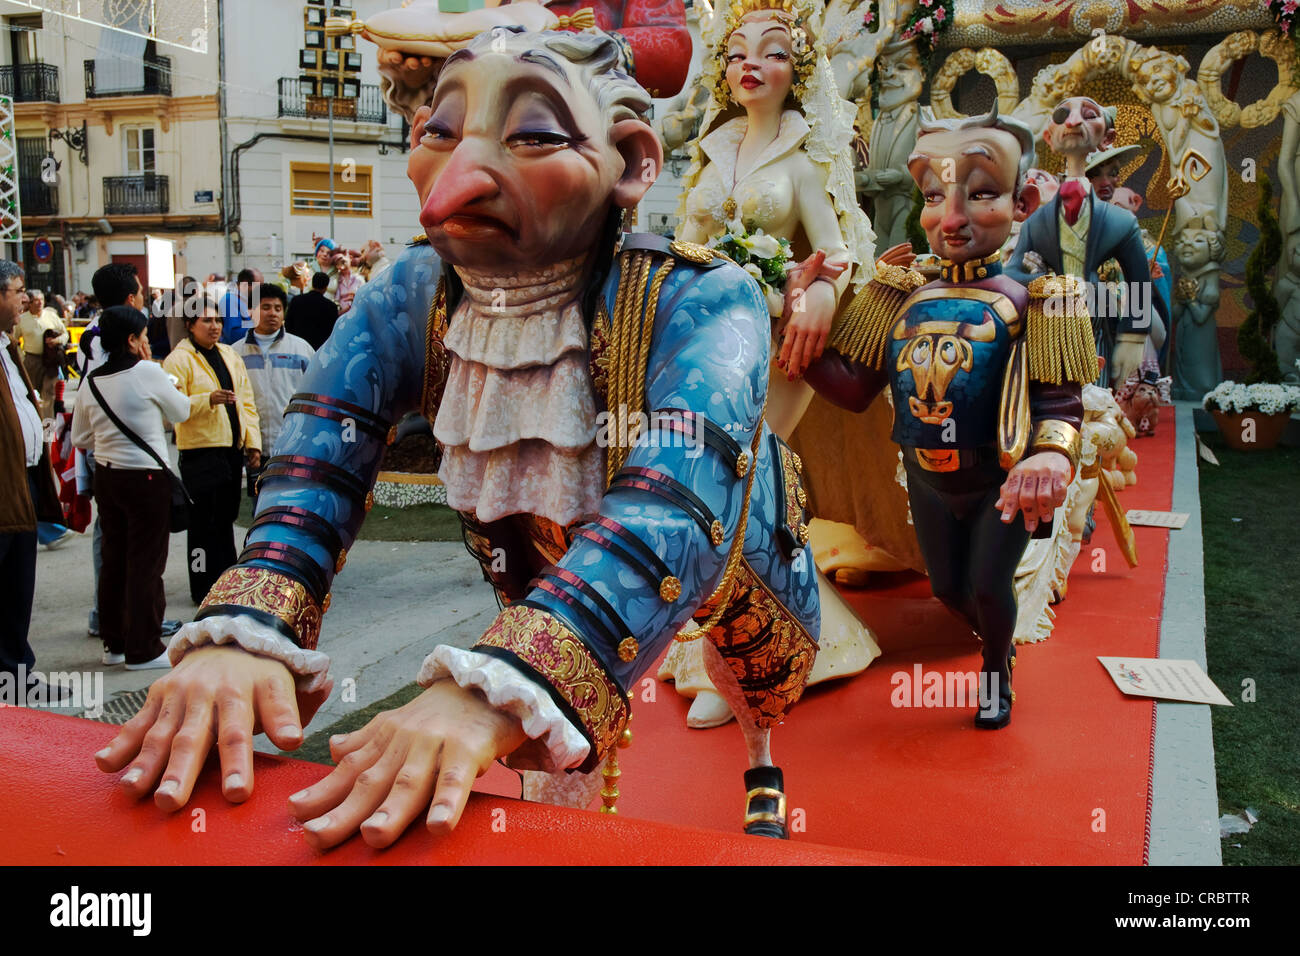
[(554, 743), (310, 668)]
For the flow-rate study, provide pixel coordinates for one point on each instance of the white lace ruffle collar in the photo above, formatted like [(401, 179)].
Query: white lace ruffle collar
[(721, 145)]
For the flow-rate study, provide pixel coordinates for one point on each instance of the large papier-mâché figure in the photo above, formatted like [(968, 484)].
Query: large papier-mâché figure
[(985, 377), (1077, 232), (514, 332), (773, 164), (415, 39)]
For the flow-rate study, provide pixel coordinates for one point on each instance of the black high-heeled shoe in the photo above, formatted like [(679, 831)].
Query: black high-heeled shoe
[(1006, 696), (765, 803)]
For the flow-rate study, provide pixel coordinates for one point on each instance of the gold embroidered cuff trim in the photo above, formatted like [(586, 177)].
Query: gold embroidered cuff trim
[(268, 593), (1053, 435), (556, 654)]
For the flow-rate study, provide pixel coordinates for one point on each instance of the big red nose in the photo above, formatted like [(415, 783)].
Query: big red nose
[(463, 181), (954, 215)]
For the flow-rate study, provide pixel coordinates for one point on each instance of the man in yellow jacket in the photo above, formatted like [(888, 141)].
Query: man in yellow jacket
[(220, 434)]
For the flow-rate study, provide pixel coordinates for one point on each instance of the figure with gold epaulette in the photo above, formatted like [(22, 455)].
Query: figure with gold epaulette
[(985, 377), (598, 399)]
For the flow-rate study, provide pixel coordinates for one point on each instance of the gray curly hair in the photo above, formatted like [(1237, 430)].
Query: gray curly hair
[(990, 120), (596, 55)]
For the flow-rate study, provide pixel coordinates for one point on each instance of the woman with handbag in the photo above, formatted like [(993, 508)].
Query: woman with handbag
[(119, 415), (221, 432)]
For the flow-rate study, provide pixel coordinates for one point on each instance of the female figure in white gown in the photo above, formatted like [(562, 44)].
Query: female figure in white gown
[(774, 154)]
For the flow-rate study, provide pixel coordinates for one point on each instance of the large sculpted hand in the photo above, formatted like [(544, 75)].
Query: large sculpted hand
[(809, 312), (416, 70), (430, 749), (215, 694), (1034, 263), (899, 255), (1126, 357), (1035, 486)]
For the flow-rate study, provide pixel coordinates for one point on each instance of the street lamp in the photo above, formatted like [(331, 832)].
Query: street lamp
[(329, 70)]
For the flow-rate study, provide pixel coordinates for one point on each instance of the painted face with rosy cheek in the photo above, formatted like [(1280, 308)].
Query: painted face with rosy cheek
[(513, 162), (1104, 180), (1127, 199), (1077, 127), (1046, 184), (760, 66), (967, 180)]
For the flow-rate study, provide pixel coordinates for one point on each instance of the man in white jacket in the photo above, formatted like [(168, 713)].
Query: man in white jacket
[(276, 362)]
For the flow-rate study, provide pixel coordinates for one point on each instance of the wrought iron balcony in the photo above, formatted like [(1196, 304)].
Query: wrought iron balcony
[(30, 82), (368, 107), (38, 199), (136, 195), (157, 80)]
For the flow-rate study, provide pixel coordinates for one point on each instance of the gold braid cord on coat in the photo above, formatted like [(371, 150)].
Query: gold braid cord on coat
[(861, 333), (1058, 332)]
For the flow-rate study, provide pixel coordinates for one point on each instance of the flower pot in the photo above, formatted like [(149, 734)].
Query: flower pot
[(1251, 430)]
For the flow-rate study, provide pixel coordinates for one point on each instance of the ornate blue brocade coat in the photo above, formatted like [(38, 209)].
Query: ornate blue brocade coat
[(590, 608)]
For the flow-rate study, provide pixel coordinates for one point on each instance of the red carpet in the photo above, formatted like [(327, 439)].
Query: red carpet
[(1065, 783), (57, 809), (924, 782)]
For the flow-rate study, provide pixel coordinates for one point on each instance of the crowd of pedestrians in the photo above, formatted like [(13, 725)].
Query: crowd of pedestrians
[(208, 367)]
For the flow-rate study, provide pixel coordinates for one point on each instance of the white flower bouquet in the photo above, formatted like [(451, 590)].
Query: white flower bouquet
[(763, 256), (1230, 397)]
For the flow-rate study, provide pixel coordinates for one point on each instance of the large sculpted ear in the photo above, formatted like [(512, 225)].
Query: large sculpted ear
[(1028, 200), (417, 125), (643, 158)]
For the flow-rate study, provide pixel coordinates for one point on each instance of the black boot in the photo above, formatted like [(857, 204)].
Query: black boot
[(987, 718), (765, 803)]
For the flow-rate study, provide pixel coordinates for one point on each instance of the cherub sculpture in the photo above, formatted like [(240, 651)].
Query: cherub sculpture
[(1196, 365), (612, 473), (1286, 338)]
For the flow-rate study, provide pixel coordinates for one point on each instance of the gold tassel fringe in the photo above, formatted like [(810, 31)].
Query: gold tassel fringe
[(861, 333), (1058, 332)]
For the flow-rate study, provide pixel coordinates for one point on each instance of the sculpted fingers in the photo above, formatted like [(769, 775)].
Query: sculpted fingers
[(321, 797), (369, 789), (1028, 502), (1009, 495), (410, 793), (457, 771), (123, 748), (787, 343), (277, 710), (1047, 499), (156, 747), (189, 749), (235, 745)]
